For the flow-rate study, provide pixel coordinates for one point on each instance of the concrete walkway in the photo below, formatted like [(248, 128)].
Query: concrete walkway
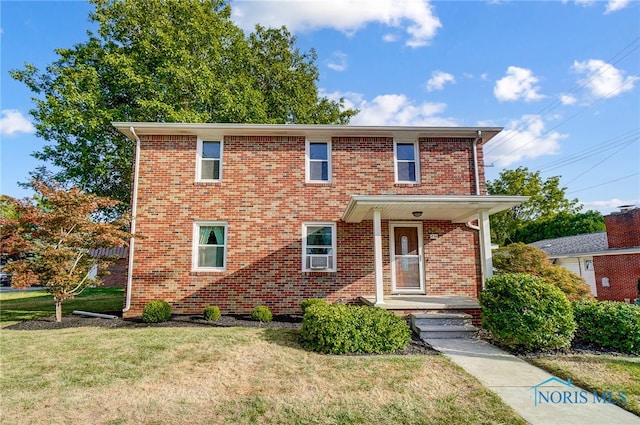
[(537, 396)]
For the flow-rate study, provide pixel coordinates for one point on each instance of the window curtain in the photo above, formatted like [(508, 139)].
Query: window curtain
[(218, 232), (205, 232)]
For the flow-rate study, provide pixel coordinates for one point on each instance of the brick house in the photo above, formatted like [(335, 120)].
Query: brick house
[(609, 261), (239, 215)]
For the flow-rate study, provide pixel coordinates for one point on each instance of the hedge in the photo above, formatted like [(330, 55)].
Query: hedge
[(609, 324)]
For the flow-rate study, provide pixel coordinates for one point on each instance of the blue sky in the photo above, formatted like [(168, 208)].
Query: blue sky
[(562, 77)]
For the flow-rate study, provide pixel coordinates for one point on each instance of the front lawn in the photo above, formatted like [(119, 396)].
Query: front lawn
[(27, 305), (597, 372), (164, 375)]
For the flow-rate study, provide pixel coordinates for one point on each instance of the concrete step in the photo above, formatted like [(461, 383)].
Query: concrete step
[(443, 325), (447, 319), (442, 332)]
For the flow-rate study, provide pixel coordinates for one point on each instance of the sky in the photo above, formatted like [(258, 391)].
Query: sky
[(561, 77)]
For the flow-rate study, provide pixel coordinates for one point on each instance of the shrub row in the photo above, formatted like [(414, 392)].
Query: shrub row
[(524, 313), (609, 324), (348, 329)]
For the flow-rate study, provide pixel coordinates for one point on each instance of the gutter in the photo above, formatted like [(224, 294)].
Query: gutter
[(134, 202)]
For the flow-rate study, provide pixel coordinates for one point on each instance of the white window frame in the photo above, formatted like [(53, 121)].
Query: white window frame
[(416, 155), (199, 158), (196, 245), (308, 160), (334, 245)]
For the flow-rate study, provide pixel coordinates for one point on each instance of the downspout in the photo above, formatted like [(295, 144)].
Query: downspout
[(476, 172), (134, 202)]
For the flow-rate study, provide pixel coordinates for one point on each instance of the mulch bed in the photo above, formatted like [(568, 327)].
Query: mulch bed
[(416, 346)]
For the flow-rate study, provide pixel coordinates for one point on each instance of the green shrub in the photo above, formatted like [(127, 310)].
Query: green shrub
[(524, 313), (345, 329), (309, 302), (609, 324), (156, 312), (262, 314), (212, 313)]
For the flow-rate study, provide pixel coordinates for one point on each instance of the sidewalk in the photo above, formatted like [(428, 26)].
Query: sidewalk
[(513, 380)]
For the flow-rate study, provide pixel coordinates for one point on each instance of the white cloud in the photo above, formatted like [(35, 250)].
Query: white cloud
[(603, 79), (12, 121), (522, 139), (615, 5), (610, 205), (567, 99), (519, 83), (438, 80), (338, 62), (393, 109), (416, 17), (585, 3)]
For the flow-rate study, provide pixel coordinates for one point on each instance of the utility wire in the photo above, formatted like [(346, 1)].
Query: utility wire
[(577, 87), (602, 184), (599, 163)]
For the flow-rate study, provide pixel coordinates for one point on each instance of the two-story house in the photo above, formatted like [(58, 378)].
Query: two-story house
[(240, 215)]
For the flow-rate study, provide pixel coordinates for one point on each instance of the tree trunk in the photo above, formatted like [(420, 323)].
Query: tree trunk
[(58, 310)]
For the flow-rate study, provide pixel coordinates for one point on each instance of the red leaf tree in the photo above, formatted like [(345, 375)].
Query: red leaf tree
[(49, 237)]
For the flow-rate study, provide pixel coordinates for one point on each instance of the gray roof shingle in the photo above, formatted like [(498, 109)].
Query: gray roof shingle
[(578, 244)]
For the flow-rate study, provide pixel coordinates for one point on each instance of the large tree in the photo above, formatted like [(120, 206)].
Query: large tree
[(547, 199), (50, 238), (562, 224), (164, 61)]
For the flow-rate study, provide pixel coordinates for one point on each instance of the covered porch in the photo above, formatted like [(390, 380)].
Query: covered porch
[(408, 209)]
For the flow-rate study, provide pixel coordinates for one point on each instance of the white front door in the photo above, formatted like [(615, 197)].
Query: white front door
[(407, 265)]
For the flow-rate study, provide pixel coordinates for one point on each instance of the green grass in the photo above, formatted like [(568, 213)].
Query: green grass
[(160, 375), (28, 305), (598, 373)]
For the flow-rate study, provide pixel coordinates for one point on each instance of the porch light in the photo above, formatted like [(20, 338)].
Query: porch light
[(417, 214)]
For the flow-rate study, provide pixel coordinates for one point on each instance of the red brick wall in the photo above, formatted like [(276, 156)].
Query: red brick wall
[(117, 277), (623, 272), (623, 229), (264, 199)]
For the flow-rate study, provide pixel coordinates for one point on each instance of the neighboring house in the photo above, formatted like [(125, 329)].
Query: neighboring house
[(240, 215), (609, 261), (117, 277)]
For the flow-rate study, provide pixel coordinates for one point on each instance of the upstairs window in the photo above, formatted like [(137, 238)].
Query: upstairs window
[(318, 167), (210, 246), (407, 167), (319, 247), (209, 166)]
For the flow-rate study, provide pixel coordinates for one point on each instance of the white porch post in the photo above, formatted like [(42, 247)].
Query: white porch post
[(377, 252), (486, 257)]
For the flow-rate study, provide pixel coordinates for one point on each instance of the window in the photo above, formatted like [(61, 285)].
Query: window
[(407, 167), (210, 246), (209, 167), (319, 247), (318, 156)]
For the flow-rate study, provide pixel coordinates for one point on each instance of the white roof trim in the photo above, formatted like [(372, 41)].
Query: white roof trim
[(454, 208), (307, 130), (610, 251)]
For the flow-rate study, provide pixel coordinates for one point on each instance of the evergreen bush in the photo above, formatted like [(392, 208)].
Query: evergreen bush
[(212, 313), (524, 313), (309, 302), (156, 312), (262, 314), (609, 324), (346, 329)]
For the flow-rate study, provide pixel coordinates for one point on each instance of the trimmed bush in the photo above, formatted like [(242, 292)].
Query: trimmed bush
[(609, 324), (347, 329), (156, 312), (262, 314), (212, 313), (309, 302), (524, 313)]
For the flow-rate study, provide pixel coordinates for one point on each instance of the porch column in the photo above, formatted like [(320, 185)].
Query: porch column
[(377, 253), (486, 257)]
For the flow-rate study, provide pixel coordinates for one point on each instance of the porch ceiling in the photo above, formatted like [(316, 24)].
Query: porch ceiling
[(457, 209)]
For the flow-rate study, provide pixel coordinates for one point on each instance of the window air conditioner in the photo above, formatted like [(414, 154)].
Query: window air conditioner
[(320, 262)]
